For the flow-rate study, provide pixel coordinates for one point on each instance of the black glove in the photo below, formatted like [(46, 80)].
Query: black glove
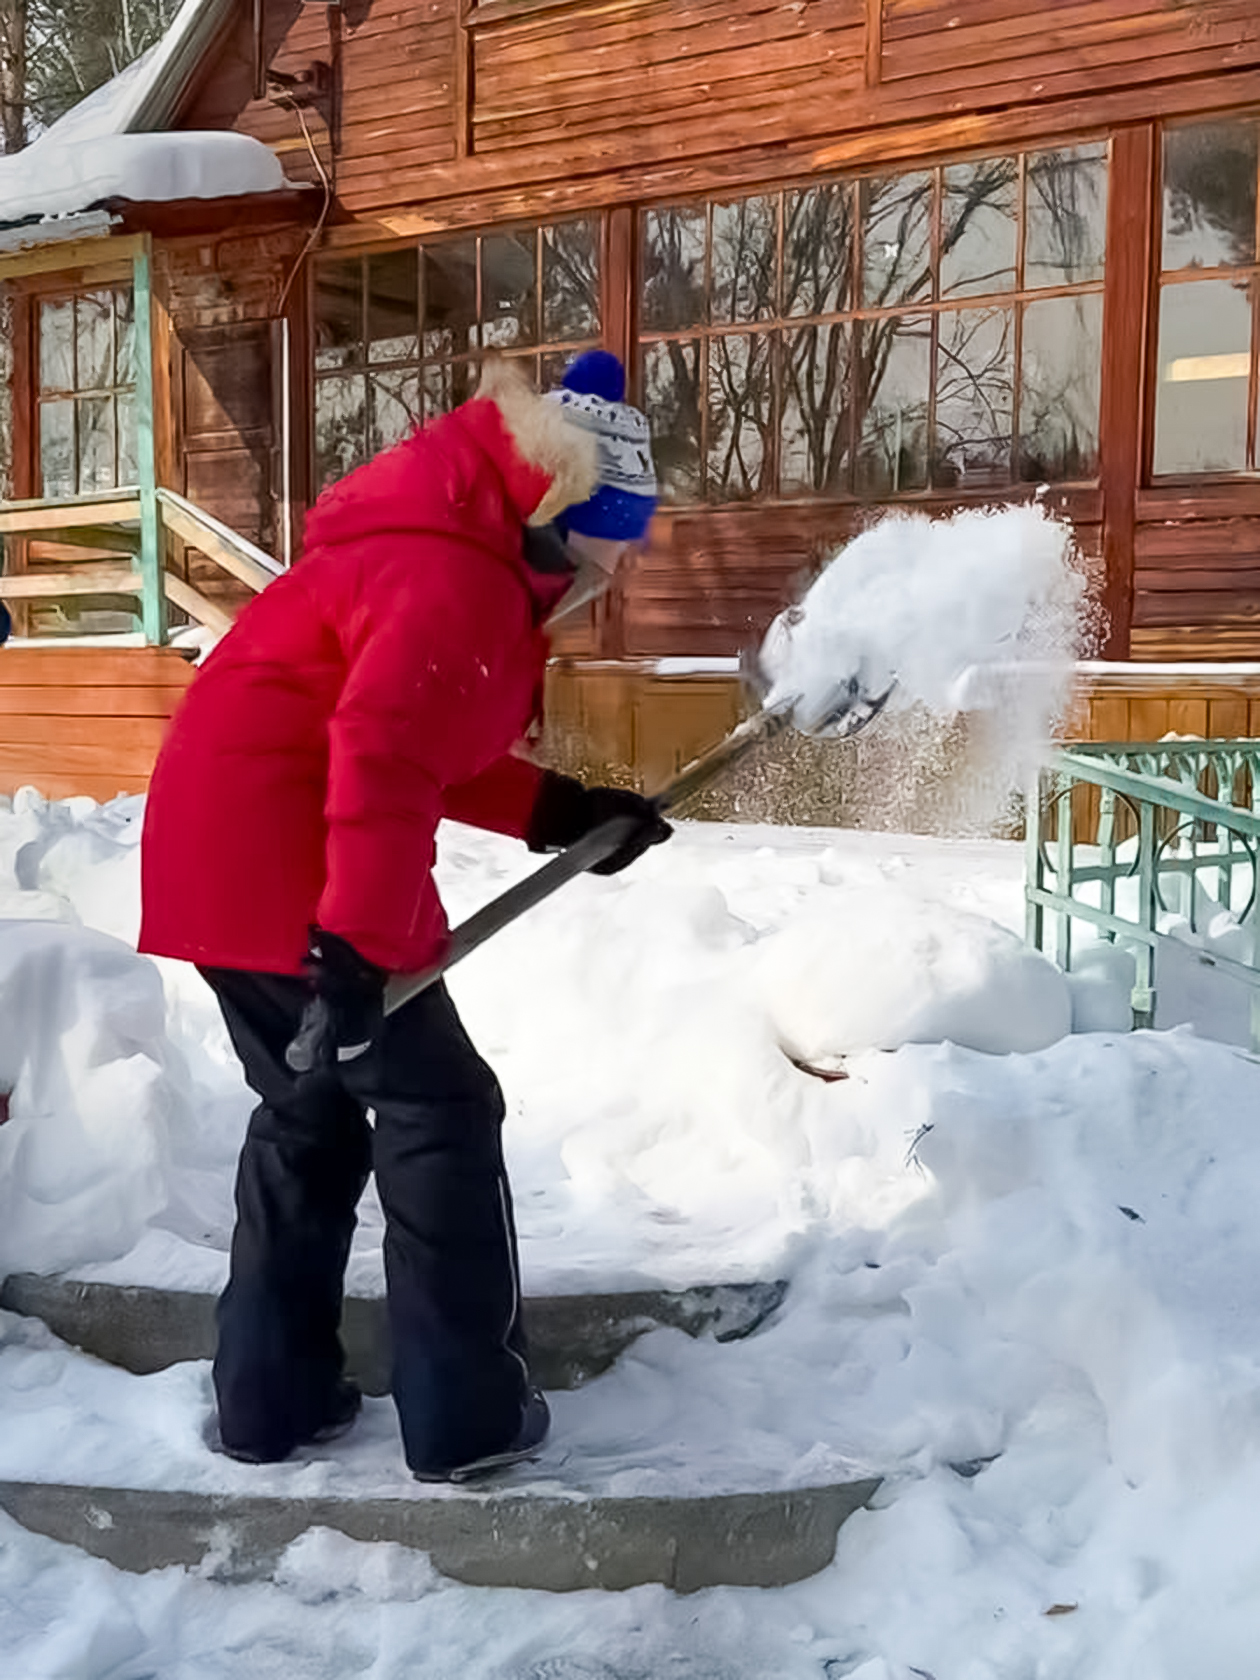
[(347, 1009), (565, 810)]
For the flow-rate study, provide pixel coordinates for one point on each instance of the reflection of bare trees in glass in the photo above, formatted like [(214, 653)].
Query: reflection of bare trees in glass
[(741, 447), (1210, 194), (745, 235), (869, 376), (975, 390), (1066, 231), (570, 281)]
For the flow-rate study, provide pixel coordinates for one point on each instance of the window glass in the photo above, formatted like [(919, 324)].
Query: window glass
[(975, 397), (340, 425), (128, 447), (745, 240), (396, 407), (450, 297), (1059, 389), (509, 290), (979, 227), (896, 238), (393, 281), (674, 269), (815, 428), (398, 334), (893, 377), (94, 331), (570, 257), (125, 328), (56, 345), (740, 405), (87, 403), (56, 449), (339, 313), (1210, 173), (1204, 366), (95, 420), (446, 385), (818, 250), (1065, 238), (671, 394)]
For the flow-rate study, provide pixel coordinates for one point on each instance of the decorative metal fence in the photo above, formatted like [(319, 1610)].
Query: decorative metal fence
[(1127, 837)]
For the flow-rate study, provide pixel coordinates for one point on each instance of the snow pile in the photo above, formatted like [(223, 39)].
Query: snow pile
[(830, 989), (94, 1090)]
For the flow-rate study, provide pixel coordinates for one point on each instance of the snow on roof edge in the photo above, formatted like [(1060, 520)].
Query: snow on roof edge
[(176, 58)]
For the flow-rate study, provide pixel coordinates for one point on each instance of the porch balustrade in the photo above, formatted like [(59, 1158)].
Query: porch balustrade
[(1145, 842)]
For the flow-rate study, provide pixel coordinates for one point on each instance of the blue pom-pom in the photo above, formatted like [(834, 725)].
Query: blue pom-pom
[(596, 373)]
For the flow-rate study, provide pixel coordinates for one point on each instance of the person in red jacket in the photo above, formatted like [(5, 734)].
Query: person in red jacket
[(385, 682)]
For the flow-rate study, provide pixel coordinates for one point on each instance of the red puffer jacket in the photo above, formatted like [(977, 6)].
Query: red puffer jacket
[(372, 690)]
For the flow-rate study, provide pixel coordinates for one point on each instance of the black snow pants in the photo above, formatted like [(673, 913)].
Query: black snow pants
[(460, 1377)]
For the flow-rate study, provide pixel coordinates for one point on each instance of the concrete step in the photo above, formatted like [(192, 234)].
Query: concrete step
[(552, 1542), (572, 1337), (560, 1525)]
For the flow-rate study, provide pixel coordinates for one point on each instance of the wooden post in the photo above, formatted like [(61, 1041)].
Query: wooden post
[(151, 561), (1130, 212)]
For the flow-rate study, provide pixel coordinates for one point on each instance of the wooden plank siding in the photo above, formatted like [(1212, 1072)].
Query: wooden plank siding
[(85, 720), (453, 114), (594, 88)]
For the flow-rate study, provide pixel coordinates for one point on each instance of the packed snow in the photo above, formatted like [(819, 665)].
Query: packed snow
[(1020, 1262)]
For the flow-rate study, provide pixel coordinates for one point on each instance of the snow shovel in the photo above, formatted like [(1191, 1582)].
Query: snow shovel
[(847, 709)]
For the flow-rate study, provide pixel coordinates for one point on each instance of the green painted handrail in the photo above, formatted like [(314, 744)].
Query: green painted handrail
[(1183, 840)]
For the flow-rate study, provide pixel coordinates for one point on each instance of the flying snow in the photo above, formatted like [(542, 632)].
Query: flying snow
[(952, 610)]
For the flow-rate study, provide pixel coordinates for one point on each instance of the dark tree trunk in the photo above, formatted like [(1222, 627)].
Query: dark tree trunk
[(13, 74)]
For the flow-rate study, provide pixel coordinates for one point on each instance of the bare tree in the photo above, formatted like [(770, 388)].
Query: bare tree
[(74, 47), (13, 74)]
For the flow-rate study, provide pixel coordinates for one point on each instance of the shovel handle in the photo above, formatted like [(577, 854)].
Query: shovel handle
[(591, 849)]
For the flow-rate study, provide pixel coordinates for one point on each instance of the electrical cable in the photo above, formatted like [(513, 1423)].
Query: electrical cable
[(317, 230)]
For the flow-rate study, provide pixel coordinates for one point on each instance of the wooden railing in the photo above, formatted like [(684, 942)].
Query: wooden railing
[(84, 529)]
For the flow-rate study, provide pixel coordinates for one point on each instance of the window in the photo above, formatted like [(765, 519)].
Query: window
[(399, 334), (934, 329), (1209, 300), (87, 392)]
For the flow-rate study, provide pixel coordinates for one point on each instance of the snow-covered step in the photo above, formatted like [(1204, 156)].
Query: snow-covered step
[(555, 1540), (572, 1337)]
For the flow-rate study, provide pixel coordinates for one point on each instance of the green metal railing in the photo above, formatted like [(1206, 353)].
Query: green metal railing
[(1123, 836)]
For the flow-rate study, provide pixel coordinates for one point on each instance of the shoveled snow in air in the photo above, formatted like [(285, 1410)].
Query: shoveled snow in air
[(983, 610), (1021, 1269)]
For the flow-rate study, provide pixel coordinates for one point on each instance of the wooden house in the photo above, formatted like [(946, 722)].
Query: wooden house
[(855, 253)]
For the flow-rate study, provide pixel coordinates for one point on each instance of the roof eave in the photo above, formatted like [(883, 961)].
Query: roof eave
[(161, 101)]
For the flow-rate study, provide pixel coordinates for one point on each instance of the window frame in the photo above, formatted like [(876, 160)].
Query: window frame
[(1162, 278), (779, 326), (367, 367), (62, 292)]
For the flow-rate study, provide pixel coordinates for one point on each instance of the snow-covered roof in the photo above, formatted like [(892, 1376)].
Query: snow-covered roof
[(110, 146)]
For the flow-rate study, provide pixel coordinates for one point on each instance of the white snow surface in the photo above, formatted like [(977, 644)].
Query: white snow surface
[(1021, 1267)]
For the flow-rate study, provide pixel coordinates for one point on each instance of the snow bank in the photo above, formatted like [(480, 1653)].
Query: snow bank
[(95, 1090), (831, 985)]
